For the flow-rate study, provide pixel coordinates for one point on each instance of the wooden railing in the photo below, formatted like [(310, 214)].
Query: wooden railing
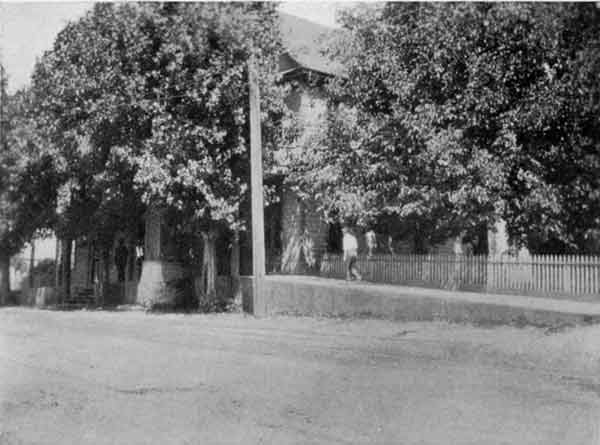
[(548, 275)]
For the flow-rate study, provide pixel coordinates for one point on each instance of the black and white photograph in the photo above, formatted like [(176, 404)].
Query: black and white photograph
[(299, 222)]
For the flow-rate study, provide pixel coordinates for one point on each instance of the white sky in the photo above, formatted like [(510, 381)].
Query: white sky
[(27, 29)]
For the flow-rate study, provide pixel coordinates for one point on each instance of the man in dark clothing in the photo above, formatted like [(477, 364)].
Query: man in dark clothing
[(121, 259)]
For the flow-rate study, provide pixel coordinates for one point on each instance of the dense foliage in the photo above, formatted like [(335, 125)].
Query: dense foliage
[(153, 98), (27, 186), (463, 113), (147, 104)]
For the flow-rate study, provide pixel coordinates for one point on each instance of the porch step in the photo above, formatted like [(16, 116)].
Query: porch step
[(81, 297)]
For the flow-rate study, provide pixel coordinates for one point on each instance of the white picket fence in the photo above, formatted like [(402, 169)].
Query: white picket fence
[(552, 275)]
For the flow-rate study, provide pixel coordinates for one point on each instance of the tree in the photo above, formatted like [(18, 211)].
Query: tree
[(27, 186), (197, 158), (84, 91), (5, 208), (158, 93), (465, 113)]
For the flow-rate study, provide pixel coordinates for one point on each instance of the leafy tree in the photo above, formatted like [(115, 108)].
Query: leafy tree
[(26, 183), (80, 90), (146, 104), (197, 158), (6, 159), (464, 113)]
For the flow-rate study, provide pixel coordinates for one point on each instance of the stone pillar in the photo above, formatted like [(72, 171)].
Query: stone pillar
[(235, 272), (498, 240), (292, 224), (80, 277), (154, 289), (457, 250), (506, 265), (304, 233)]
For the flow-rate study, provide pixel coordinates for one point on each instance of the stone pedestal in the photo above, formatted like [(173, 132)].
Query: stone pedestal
[(507, 267), (498, 240), (82, 265), (44, 296), (156, 286), (304, 235)]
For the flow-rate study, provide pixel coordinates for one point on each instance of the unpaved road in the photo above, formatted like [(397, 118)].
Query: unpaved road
[(135, 378)]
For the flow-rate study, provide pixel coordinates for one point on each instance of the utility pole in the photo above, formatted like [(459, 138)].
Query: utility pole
[(32, 264), (256, 191)]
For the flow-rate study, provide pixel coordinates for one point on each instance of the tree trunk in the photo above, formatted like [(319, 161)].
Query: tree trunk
[(209, 266), (66, 268), (4, 279), (235, 271), (106, 259), (131, 263)]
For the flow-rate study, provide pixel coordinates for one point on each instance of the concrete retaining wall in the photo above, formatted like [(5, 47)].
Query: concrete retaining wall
[(326, 297)]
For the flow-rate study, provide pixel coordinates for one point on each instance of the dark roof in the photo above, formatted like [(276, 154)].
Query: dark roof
[(304, 42)]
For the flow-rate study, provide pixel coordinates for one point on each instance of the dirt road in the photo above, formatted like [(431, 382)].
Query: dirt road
[(134, 378)]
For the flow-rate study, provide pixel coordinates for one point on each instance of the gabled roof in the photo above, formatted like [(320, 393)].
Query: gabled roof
[(304, 42)]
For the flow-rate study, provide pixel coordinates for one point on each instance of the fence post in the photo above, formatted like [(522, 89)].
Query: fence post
[(588, 284), (595, 274)]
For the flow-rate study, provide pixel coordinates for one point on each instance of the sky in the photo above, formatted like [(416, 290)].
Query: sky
[(28, 29)]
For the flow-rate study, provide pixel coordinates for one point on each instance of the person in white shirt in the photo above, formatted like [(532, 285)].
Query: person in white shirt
[(350, 246), (371, 240)]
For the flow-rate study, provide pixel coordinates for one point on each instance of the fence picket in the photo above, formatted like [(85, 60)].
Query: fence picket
[(587, 274), (550, 273), (595, 274), (512, 271), (584, 273), (575, 275), (559, 276), (580, 276), (597, 268), (566, 278), (550, 267), (548, 264), (556, 273), (545, 283), (590, 275), (590, 269)]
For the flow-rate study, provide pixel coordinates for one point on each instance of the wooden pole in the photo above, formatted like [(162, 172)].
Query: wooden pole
[(32, 264), (256, 191), (57, 264)]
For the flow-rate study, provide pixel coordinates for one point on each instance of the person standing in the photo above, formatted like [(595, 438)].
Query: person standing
[(390, 244), (371, 240), (350, 246), (121, 260)]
